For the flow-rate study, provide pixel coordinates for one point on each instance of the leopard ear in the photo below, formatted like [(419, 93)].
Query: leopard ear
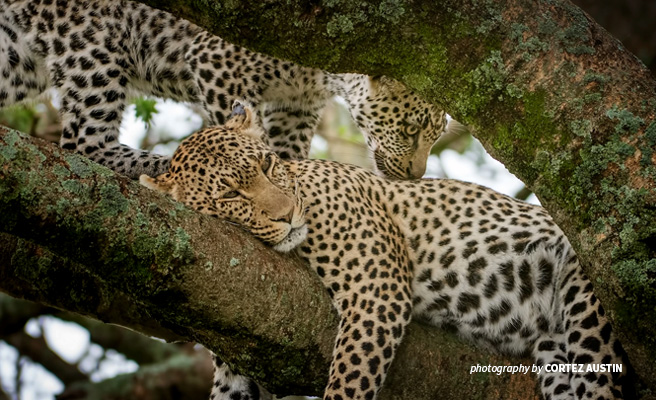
[(454, 127), (162, 183), (245, 119)]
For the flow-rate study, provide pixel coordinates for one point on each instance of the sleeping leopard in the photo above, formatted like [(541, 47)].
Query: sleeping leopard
[(99, 53), (497, 270)]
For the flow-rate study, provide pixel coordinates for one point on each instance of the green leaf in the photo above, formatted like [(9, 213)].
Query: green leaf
[(145, 109)]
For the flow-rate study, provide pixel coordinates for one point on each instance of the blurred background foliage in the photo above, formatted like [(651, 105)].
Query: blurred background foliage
[(47, 353)]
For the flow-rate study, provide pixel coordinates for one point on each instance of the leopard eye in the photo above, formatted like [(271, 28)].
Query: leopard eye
[(267, 163), (411, 130), (230, 195)]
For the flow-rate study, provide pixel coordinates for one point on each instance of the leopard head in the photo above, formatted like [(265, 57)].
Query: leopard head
[(399, 126), (228, 172)]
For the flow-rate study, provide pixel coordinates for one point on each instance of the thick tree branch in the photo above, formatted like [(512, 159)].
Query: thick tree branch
[(548, 92), (102, 246)]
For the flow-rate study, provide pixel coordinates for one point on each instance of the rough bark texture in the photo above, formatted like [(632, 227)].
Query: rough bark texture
[(631, 21), (80, 238), (548, 92)]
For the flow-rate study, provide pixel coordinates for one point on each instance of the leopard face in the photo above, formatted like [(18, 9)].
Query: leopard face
[(400, 128), (250, 188)]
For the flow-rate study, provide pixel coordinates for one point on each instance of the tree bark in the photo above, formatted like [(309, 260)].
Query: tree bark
[(547, 91), (80, 238)]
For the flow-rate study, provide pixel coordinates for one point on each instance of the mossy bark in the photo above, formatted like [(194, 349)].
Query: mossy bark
[(75, 236), (547, 91)]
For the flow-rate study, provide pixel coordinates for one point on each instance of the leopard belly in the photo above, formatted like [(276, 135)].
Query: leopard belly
[(502, 304)]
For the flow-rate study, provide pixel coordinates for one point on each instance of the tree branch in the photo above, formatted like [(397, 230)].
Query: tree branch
[(137, 347), (15, 313), (182, 376), (102, 246), (38, 351), (545, 89)]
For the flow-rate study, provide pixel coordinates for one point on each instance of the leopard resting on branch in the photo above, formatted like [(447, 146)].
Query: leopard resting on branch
[(453, 254), (99, 53)]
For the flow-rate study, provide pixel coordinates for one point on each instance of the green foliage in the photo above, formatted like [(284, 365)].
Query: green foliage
[(20, 117), (145, 109)]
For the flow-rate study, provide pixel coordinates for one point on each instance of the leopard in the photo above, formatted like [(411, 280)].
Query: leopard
[(451, 254), (99, 54)]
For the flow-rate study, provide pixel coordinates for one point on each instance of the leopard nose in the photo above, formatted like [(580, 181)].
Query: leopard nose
[(286, 218), (290, 216), (280, 208), (416, 170)]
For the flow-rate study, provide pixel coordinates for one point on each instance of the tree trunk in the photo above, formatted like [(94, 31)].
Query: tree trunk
[(80, 238), (547, 91)]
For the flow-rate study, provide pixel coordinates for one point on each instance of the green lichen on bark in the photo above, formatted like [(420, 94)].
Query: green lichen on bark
[(529, 44), (91, 207)]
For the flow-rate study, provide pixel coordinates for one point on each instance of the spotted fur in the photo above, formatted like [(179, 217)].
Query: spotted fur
[(496, 270), (98, 53)]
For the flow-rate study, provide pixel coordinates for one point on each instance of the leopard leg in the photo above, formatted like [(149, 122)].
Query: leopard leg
[(213, 73), (370, 331), (20, 68), (591, 343), (290, 129), (93, 101), (550, 355)]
